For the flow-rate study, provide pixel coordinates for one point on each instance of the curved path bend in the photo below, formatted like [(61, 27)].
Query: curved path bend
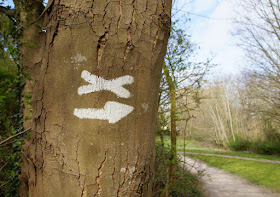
[(219, 183)]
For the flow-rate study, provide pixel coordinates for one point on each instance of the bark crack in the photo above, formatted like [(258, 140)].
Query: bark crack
[(121, 14), (55, 32), (93, 15), (114, 170), (98, 178), (78, 163), (101, 46), (105, 12), (84, 191), (134, 173), (155, 40), (162, 22), (120, 190), (163, 6), (129, 44)]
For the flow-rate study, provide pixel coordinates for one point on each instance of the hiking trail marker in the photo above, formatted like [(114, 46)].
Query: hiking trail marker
[(99, 84), (112, 111)]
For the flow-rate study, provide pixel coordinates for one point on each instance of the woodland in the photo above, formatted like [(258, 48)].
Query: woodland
[(169, 104)]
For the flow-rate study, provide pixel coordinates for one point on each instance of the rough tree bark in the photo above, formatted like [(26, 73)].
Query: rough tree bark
[(26, 13), (95, 98)]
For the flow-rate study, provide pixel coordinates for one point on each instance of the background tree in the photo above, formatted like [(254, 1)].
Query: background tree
[(181, 80), (258, 30), (229, 116), (10, 114), (17, 32)]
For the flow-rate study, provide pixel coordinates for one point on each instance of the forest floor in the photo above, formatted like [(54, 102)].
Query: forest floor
[(220, 183)]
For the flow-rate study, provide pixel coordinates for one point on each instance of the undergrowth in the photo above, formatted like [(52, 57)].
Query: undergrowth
[(270, 145), (186, 184), (10, 124)]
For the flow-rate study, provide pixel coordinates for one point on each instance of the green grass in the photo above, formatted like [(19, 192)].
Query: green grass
[(265, 174), (237, 153), (198, 147), (189, 144)]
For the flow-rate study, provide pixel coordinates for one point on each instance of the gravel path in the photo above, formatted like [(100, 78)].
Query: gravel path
[(219, 183)]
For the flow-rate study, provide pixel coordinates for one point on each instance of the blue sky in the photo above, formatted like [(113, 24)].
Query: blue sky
[(10, 2), (210, 27)]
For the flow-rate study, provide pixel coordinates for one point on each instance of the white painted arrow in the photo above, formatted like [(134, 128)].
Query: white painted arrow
[(98, 83), (113, 112)]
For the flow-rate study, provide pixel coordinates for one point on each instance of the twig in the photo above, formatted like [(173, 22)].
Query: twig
[(13, 136), (7, 182), (3, 166), (10, 13)]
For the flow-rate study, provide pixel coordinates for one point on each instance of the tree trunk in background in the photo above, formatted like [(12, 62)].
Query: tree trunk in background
[(29, 28), (29, 36), (173, 133), (95, 98)]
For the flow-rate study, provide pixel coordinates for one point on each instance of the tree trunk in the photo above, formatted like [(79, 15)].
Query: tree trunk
[(29, 36), (28, 28), (95, 98)]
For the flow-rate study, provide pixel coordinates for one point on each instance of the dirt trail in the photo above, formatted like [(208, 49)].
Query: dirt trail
[(219, 183)]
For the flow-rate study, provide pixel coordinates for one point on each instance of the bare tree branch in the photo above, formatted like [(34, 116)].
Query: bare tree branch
[(13, 136), (8, 12)]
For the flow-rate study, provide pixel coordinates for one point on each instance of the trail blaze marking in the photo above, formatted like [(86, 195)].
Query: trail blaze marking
[(112, 111), (78, 59), (99, 83)]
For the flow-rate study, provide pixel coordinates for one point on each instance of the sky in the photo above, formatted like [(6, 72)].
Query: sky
[(210, 28)]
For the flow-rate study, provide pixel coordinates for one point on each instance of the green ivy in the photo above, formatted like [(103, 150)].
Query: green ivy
[(10, 109), (10, 124)]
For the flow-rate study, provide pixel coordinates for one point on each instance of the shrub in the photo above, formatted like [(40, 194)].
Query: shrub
[(269, 146), (271, 143), (240, 144), (266, 147)]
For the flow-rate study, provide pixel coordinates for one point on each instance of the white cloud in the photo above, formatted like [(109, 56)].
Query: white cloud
[(217, 32), (213, 35), (202, 6)]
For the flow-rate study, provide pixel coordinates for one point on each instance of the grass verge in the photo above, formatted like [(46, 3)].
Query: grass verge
[(198, 147), (264, 174), (235, 153)]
